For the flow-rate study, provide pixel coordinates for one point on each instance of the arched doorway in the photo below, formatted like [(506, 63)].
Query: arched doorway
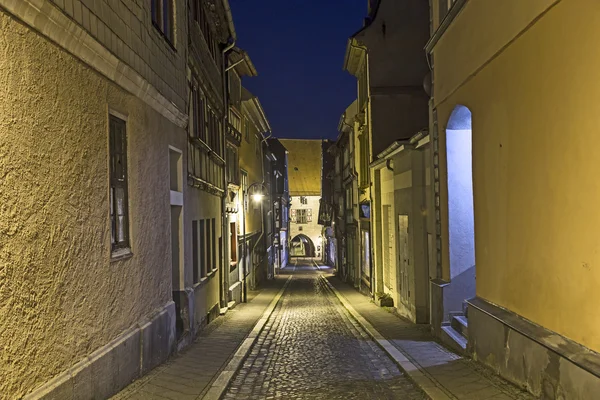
[(302, 246), (461, 226)]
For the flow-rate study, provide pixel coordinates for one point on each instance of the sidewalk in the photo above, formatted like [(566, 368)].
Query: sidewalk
[(189, 375), (441, 373)]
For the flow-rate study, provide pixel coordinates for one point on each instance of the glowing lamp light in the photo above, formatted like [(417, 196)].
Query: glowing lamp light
[(257, 197)]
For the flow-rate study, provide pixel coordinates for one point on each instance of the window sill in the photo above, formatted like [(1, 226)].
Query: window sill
[(120, 255), (232, 265)]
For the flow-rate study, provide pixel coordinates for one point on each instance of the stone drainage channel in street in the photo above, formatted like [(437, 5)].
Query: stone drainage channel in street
[(308, 346)]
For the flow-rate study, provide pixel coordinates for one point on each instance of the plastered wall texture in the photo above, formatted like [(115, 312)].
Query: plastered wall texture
[(125, 28), (60, 296), (535, 217), (534, 171)]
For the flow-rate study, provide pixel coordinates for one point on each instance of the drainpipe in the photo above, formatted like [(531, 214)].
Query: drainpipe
[(225, 234)]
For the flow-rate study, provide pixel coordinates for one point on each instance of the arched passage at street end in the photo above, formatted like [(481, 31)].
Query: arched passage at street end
[(461, 226), (302, 246)]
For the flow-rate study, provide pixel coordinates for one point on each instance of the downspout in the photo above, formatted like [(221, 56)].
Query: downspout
[(225, 234)]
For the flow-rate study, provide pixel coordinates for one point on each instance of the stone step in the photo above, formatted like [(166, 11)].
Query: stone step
[(454, 339), (461, 325)]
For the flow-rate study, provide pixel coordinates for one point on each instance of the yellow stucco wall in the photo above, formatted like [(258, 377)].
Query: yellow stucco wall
[(536, 189), (60, 297)]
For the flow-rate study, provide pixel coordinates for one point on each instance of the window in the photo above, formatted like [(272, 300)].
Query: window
[(200, 16), (199, 115), (303, 216), (209, 256), (213, 126), (364, 159), (362, 88), (163, 18), (231, 163), (213, 244), (233, 243), (235, 121), (195, 252), (244, 179), (202, 261), (119, 208), (247, 130)]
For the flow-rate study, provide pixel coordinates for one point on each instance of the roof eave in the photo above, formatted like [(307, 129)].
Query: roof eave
[(229, 17)]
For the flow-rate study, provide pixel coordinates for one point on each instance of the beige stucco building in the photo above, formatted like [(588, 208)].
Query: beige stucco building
[(513, 102), (92, 137), (114, 243), (304, 171), (251, 238), (386, 57)]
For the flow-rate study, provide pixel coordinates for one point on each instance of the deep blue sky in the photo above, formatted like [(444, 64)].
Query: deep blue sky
[(298, 49)]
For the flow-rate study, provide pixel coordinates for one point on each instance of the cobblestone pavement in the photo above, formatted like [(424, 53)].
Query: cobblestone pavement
[(311, 348)]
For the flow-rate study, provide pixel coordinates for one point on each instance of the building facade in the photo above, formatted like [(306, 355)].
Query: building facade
[(515, 215), (281, 203), (251, 236), (200, 292), (239, 66), (386, 57), (304, 170), (103, 85), (142, 111), (345, 186)]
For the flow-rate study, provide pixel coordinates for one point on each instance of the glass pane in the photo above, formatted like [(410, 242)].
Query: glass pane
[(111, 201), (112, 230), (120, 197), (121, 229)]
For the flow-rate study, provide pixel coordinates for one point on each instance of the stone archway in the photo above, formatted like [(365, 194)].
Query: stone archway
[(302, 246)]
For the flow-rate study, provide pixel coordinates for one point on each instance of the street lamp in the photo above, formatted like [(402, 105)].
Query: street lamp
[(257, 192)]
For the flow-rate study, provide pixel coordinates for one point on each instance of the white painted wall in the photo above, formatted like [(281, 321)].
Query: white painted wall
[(313, 230)]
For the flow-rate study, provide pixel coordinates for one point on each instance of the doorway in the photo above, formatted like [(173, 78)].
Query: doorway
[(461, 221)]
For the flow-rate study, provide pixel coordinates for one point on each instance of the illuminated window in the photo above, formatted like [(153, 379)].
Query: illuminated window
[(303, 216), (163, 18), (119, 208)]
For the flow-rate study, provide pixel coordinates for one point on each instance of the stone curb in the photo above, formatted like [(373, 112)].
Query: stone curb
[(415, 372), (221, 383)]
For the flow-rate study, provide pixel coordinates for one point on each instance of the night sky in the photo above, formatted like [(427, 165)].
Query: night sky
[(298, 49)]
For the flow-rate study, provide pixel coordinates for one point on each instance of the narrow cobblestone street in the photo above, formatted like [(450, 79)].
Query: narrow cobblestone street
[(311, 348)]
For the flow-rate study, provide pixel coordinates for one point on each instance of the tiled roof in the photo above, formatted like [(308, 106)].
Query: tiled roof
[(304, 166)]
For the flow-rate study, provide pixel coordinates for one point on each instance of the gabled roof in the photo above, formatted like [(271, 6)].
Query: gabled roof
[(255, 111), (240, 61), (304, 166), (356, 49), (347, 118)]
